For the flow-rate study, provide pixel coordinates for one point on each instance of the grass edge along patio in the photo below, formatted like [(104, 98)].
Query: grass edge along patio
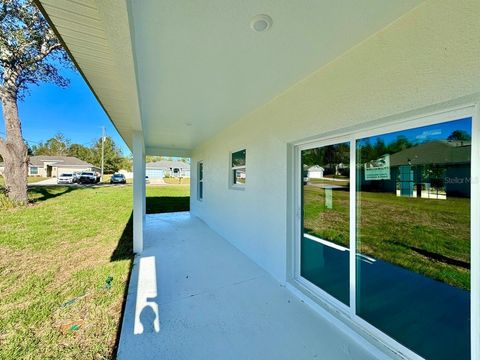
[(246, 95)]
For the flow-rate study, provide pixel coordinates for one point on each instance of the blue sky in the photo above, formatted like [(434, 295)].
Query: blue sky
[(426, 133), (74, 111)]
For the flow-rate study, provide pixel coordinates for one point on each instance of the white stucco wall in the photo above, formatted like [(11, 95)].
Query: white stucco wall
[(429, 56)]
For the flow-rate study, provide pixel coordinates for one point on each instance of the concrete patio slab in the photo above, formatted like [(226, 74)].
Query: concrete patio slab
[(215, 303)]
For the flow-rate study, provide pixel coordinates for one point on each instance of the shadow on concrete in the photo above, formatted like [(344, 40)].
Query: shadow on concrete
[(167, 204), (148, 317), (124, 251)]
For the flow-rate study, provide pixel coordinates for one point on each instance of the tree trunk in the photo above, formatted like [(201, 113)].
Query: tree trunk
[(14, 151)]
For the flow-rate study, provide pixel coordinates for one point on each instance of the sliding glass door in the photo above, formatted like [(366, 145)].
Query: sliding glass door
[(408, 220)]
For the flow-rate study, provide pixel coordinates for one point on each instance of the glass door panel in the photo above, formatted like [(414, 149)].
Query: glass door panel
[(325, 219), (413, 237)]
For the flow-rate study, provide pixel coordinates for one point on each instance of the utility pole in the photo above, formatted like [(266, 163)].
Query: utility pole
[(103, 148)]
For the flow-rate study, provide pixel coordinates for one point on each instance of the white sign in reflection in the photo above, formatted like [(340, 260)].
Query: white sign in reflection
[(378, 169)]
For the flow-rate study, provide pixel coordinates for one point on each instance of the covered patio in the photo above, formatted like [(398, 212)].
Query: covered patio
[(215, 303), (251, 92)]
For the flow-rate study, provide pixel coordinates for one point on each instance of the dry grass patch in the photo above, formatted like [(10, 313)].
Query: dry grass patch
[(56, 255), (56, 251)]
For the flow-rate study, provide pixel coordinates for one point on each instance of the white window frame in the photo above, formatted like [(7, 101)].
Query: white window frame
[(200, 183), (232, 183), (348, 313)]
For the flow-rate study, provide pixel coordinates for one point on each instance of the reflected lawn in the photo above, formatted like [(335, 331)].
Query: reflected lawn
[(430, 237)]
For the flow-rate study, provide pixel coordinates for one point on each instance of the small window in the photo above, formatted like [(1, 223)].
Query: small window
[(238, 167), (33, 170), (200, 181)]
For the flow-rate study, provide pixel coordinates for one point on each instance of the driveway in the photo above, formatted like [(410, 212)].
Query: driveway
[(50, 181), (53, 182)]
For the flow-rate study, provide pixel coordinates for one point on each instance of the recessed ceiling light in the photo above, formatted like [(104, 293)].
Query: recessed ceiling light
[(261, 23)]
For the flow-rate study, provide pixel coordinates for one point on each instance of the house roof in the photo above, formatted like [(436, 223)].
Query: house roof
[(433, 152), (167, 164), (58, 161), (316, 167)]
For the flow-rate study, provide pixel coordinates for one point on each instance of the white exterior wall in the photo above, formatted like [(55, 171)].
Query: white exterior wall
[(57, 171), (428, 57)]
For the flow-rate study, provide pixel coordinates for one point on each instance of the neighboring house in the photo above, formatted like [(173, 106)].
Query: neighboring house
[(53, 166), (126, 173), (167, 168), (242, 88), (315, 172), (435, 165)]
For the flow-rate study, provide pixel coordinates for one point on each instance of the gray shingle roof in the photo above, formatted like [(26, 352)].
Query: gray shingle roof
[(58, 161), (434, 152)]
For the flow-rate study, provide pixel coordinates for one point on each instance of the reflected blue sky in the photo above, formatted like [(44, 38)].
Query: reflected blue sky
[(422, 134)]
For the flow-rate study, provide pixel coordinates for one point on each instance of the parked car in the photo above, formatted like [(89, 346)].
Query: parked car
[(66, 178), (88, 177), (118, 179), (76, 176)]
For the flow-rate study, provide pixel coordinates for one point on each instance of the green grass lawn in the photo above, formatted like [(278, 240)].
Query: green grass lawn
[(55, 257), (326, 181), (430, 237)]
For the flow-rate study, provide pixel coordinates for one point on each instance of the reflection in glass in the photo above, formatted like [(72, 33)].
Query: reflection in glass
[(239, 176), (325, 240), (413, 237), (239, 158), (200, 180)]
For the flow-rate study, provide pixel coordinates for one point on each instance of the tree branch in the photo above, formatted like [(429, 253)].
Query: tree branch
[(44, 52)]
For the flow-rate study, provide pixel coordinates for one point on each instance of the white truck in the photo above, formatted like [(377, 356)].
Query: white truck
[(89, 177)]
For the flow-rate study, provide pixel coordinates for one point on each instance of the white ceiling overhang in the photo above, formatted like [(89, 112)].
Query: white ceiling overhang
[(181, 71), (97, 36)]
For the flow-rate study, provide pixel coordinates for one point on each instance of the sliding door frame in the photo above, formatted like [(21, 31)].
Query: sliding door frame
[(469, 109)]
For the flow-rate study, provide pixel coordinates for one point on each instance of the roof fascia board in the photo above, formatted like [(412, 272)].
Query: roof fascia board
[(135, 120)]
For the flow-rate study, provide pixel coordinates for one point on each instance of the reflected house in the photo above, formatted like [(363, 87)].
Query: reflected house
[(167, 168), (315, 172), (434, 169), (53, 166)]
